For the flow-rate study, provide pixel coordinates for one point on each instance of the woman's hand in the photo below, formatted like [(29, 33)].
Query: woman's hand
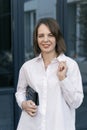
[(30, 107), (62, 68)]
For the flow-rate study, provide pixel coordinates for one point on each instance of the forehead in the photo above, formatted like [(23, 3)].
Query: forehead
[(43, 28)]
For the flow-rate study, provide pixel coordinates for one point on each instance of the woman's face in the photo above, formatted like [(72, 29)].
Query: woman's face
[(46, 40)]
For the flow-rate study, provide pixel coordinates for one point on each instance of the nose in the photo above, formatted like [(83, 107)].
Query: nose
[(46, 39)]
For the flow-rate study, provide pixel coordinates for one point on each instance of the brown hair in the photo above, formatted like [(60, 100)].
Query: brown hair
[(55, 30)]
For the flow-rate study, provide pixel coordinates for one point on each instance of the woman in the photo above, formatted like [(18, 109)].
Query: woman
[(55, 77)]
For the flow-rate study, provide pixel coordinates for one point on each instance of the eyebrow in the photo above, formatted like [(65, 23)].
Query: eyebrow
[(43, 33)]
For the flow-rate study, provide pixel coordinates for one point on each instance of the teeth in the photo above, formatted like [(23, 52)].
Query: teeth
[(46, 45)]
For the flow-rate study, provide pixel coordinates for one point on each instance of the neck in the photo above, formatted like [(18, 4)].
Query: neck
[(47, 58)]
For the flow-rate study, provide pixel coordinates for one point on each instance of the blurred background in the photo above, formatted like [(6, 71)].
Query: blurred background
[(17, 21)]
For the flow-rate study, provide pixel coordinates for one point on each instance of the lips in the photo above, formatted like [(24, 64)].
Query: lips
[(46, 45)]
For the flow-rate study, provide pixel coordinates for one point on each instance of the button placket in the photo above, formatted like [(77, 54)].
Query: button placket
[(44, 101)]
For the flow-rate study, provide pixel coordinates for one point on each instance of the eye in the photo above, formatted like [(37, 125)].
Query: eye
[(40, 35), (50, 35)]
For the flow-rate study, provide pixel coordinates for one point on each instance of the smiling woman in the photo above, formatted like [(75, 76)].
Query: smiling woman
[(53, 32), (51, 75), (46, 40)]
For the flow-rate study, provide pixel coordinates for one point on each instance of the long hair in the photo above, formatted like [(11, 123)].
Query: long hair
[(55, 30)]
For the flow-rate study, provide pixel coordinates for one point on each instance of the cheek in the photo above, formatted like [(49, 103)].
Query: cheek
[(54, 43)]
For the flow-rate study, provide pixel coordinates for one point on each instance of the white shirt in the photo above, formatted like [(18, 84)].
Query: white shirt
[(58, 99)]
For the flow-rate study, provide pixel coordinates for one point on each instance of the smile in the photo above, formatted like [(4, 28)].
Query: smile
[(46, 45)]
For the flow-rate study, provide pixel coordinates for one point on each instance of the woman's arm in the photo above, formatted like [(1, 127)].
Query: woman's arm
[(21, 88), (71, 86)]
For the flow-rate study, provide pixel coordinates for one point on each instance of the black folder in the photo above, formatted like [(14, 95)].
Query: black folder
[(31, 94)]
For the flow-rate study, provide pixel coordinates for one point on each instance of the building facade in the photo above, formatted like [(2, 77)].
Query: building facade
[(17, 21)]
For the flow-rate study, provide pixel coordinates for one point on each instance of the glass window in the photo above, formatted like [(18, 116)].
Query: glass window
[(77, 31), (77, 49), (6, 71), (29, 23)]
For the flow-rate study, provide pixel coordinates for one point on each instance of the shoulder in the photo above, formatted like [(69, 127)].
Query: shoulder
[(72, 65), (69, 61), (29, 63)]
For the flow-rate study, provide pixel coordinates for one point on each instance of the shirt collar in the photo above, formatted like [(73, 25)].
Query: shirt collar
[(39, 57), (60, 58)]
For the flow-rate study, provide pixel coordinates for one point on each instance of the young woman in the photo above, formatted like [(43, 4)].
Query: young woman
[(55, 77)]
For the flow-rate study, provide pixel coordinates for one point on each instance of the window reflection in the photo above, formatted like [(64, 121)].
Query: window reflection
[(29, 23), (77, 33), (5, 68), (6, 74), (77, 29), (77, 49)]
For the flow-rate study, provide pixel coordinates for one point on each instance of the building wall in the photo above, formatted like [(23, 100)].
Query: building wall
[(46, 8)]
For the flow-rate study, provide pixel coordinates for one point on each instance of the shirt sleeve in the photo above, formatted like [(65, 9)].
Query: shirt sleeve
[(21, 87), (72, 88)]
